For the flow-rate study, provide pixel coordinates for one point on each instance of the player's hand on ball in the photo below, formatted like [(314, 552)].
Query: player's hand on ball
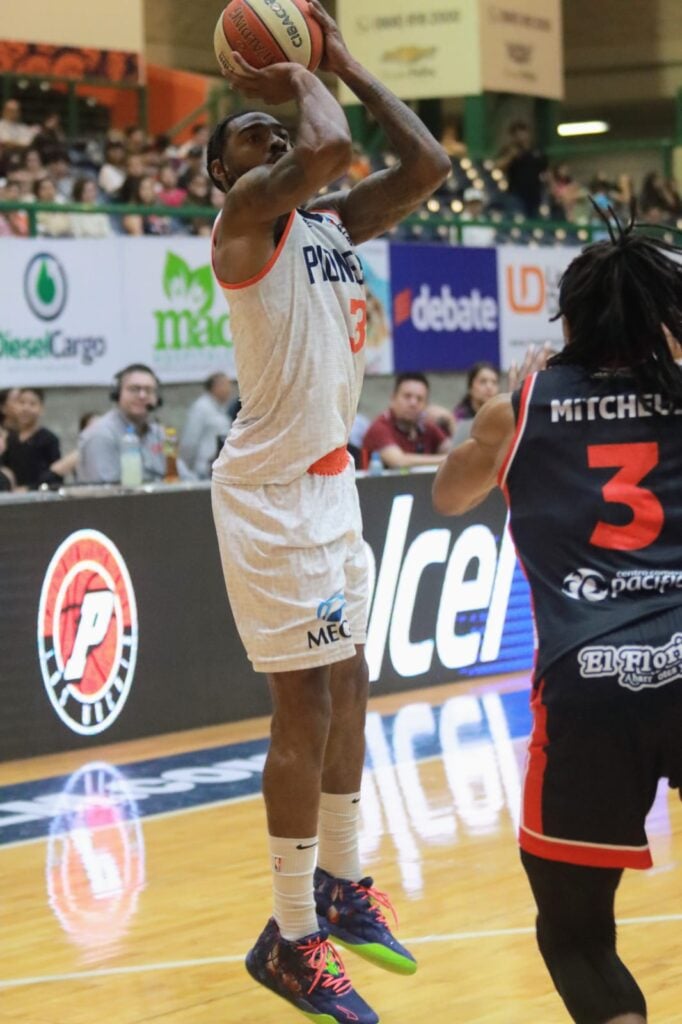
[(273, 84), (336, 54)]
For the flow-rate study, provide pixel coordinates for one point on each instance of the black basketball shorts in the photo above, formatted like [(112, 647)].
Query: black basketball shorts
[(607, 725)]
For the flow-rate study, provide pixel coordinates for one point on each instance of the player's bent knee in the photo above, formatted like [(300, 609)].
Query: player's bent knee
[(593, 982)]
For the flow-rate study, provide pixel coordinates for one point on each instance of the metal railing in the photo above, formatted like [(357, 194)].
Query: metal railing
[(453, 228)]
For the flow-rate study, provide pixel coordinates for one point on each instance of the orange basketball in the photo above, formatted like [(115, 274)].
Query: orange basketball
[(268, 32)]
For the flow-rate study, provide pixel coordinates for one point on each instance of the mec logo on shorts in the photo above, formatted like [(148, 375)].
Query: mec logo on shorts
[(87, 632), (337, 628)]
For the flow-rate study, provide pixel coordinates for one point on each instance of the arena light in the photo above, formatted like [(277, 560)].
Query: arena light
[(571, 128)]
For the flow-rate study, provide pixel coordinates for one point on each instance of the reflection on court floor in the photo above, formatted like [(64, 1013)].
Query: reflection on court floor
[(133, 867)]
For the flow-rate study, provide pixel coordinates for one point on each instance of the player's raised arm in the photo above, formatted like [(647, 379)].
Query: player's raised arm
[(263, 175), (386, 197)]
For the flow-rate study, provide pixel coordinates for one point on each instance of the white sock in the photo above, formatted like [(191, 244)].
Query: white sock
[(339, 840), (293, 866)]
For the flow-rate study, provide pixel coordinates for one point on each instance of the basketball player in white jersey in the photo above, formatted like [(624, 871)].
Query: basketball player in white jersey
[(284, 497)]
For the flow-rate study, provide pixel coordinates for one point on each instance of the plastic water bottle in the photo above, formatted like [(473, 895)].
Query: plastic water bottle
[(376, 466), (131, 458), (170, 451)]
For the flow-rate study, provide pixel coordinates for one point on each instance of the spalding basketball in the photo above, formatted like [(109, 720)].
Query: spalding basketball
[(268, 32)]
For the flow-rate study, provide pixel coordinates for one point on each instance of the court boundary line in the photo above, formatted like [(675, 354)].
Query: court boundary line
[(171, 965)]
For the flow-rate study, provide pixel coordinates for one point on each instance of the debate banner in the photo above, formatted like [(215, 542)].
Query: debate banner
[(528, 284), (445, 307)]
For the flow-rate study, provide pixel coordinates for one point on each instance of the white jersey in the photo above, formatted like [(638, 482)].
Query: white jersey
[(299, 332)]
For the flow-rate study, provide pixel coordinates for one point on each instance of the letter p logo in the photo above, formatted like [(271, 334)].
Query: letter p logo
[(526, 289), (95, 616)]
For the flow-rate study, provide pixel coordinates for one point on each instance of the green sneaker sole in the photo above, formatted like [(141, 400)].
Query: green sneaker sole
[(377, 954), (317, 1018)]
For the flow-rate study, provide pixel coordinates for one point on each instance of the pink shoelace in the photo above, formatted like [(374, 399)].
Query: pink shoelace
[(378, 900), (328, 966)]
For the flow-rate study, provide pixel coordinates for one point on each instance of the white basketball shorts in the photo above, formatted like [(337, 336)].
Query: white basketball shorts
[(295, 569)]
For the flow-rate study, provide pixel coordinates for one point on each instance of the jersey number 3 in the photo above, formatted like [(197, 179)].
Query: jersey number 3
[(358, 309), (633, 461)]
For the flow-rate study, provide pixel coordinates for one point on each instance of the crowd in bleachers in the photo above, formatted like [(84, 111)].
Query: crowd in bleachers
[(38, 163)]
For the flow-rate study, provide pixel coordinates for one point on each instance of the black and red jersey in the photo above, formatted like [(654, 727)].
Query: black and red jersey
[(593, 480)]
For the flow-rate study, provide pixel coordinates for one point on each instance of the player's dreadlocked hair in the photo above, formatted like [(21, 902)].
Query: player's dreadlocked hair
[(216, 144), (616, 296)]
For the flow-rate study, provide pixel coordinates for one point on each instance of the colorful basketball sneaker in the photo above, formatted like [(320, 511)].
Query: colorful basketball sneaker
[(310, 975), (352, 912)]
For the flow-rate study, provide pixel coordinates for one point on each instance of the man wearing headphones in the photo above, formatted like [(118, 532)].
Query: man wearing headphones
[(136, 394)]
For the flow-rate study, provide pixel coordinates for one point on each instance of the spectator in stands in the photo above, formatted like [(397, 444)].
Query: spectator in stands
[(6, 476), (564, 191), (91, 224), (135, 140), (60, 170), (658, 194), (136, 394), (451, 141), (14, 134), (30, 170), (525, 168), (13, 222), (67, 466), (207, 421), (198, 189), (112, 172), (195, 163), (9, 408), (474, 209), (32, 449), (170, 193), (50, 224), (145, 224), (135, 172), (198, 140), (50, 135), (402, 435), (483, 383)]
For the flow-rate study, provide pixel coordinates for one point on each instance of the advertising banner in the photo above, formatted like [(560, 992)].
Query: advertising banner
[(60, 312), (176, 317), (445, 307), (376, 262), (418, 48), (522, 47), (113, 627), (529, 293)]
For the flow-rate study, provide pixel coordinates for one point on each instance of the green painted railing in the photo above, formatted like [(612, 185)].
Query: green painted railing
[(579, 233)]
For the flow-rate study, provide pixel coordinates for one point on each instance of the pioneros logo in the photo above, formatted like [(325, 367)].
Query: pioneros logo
[(188, 323)]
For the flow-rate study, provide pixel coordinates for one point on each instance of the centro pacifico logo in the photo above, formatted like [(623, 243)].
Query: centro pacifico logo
[(332, 611), (87, 632), (188, 325), (45, 286)]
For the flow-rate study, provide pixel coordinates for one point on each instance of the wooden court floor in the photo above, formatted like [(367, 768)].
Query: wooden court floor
[(111, 918)]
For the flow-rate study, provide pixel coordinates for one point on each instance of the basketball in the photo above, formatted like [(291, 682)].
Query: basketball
[(268, 32)]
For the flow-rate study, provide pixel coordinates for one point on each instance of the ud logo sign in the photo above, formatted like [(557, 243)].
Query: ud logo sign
[(87, 632)]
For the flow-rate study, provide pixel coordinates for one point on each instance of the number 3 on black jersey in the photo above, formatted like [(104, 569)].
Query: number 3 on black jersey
[(633, 462)]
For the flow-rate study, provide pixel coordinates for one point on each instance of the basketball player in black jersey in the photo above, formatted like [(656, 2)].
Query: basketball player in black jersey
[(589, 455)]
